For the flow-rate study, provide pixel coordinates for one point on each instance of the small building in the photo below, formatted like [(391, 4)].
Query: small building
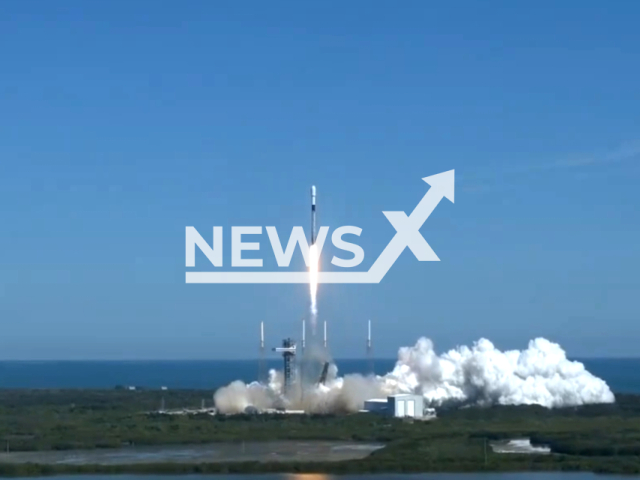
[(430, 413), (283, 411), (406, 405), (401, 406), (376, 405)]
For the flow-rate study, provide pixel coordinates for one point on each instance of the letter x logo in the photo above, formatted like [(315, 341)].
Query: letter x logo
[(408, 227)]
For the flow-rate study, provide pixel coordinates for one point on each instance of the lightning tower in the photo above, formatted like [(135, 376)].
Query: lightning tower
[(370, 349), (261, 361), (324, 340)]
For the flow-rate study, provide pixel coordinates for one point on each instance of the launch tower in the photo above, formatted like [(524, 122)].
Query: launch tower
[(261, 363), (288, 351)]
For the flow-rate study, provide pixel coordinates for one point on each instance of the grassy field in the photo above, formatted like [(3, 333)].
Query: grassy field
[(604, 438)]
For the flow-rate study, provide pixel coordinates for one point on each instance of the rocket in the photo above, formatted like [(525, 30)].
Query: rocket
[(313, 215)]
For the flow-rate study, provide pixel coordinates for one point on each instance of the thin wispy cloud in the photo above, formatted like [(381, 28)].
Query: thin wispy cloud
[(480, 181), (627, 151)]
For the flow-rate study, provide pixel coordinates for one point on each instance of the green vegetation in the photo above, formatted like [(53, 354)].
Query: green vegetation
[(602, 438)]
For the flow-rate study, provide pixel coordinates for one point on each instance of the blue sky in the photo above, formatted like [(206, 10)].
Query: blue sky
[(123, 122)]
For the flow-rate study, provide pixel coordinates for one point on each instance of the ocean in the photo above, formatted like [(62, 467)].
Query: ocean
[(622, 375)]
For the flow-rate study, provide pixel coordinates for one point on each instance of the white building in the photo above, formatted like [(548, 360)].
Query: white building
[(406, 405), (402, 405)]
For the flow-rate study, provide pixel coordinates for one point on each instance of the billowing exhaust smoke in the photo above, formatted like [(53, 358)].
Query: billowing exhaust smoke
[(480, 375)]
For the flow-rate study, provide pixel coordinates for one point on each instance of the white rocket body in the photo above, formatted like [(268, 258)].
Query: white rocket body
[(313, 215)]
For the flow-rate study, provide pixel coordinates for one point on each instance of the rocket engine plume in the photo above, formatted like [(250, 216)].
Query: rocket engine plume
[(313, 283)]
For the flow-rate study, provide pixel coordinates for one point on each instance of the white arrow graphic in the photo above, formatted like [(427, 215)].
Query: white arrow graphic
[(407, 235), (408, 228)]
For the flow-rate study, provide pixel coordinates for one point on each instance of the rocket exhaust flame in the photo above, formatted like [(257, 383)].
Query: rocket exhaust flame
[(313, 286)]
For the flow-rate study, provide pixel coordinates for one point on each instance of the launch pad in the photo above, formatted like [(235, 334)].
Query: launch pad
[(305, 365)]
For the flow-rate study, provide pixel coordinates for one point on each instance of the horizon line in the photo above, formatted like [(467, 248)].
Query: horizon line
[(257, 359)]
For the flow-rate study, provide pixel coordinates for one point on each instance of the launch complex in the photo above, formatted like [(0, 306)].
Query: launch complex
[(308, 364), (306, 367)]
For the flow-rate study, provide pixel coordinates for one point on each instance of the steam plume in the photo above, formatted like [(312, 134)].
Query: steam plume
[(481, 375)]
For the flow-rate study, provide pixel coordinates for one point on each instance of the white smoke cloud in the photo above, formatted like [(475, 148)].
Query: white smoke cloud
[(480, 374)]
